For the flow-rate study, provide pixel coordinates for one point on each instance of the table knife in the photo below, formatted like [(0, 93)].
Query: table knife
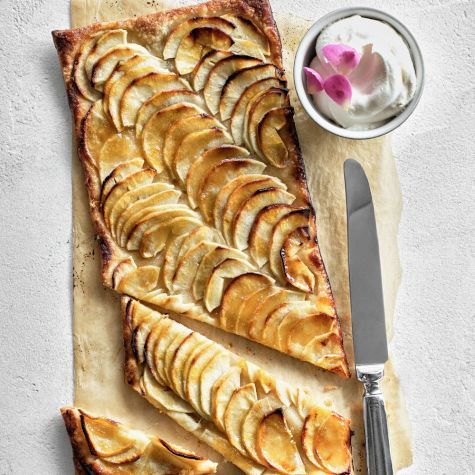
[(367, 315)]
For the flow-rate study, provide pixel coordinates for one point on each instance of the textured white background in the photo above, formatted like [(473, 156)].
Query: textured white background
[(434, 336)]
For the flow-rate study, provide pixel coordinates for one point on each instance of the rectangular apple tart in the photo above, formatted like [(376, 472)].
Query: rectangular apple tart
[(104, 447), (260, 424), (195, 178)]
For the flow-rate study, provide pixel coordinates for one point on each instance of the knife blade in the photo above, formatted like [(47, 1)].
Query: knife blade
[(366, 290), (367, 314)]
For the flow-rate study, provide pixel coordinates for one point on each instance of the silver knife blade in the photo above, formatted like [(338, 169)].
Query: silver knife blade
[(366, 290)]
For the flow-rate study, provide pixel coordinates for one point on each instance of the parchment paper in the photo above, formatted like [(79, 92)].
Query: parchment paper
[(98, 345)]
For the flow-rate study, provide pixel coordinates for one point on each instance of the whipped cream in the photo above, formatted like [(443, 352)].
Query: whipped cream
[(384, 81)]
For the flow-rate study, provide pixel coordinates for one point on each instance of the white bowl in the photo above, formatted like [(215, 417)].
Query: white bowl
[(306, 52)]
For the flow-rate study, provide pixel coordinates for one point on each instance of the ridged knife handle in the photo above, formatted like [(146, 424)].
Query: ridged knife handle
[(378, 453)]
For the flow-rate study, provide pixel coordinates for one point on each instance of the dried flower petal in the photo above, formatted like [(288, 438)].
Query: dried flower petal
[(314, 81), (339, 89), (343, 58)]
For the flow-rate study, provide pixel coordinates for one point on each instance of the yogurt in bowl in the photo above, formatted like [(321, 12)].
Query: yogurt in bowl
[(361, 73)]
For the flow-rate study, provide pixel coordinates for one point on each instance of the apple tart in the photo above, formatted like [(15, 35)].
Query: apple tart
[(260, 424), (196, 182), (103, 446)]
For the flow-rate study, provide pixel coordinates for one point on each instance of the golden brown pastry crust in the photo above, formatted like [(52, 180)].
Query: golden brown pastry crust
[(146, 30)]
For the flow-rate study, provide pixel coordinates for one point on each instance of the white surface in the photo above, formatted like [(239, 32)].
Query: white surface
[(434, 341)]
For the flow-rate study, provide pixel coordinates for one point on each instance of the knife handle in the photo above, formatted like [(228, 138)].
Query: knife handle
[(378, 453)]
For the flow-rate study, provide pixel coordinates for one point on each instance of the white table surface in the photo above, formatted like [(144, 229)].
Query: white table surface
[(434, 343)]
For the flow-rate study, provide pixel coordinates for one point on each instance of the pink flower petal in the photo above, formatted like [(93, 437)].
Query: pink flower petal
[(314, 81), (338, 89), (343, 58)]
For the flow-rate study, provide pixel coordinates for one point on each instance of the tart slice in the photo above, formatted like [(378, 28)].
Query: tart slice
[(187, 140), (105, 447), (260, 424)]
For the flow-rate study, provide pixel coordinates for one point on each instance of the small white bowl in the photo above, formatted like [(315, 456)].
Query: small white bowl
[(306, 52)]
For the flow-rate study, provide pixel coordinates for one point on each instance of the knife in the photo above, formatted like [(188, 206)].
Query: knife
[(367, 315)]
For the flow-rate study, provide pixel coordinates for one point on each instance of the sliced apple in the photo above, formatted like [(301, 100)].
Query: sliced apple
[(142, 213), (158, 331), (301, 260), (238, 82), (184, 28), (241, 402), (181, 459), (117, 149), (200, 168), (212, 259), (246, 311), (276, 445), (153, 133), (124, 267), (155, 238), (200, 348), (193, 46), (281, 231), (148, 218), (203, 233), (170, 351), (139, 337), (291, 320), (273, 320), (142, 280), (170, 257), (222, 392), (225, 192), (138, 199), (238, 114), (188, 266), (113, 96), (138, 61), (131, 182), (142, 89), (119, 173), (228, 269), (180, 129), (253, 420), (105, 42), (261, 230), (164, 99), (271, 99), (311, 424), (247, 48), (79, 71), (193, 378), (164, 341), (180, 245), (236, 292), (220, 73), (162, 396), (95, 131), (239, 196), (249, 210), (246, 29), (307, 330), (266, 306), (205, 65), (175, 375), (130, 456), (194, 145), (105, 66), (274, 136), (331, 444), (105, 437), (214, 369), (221, 174)]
